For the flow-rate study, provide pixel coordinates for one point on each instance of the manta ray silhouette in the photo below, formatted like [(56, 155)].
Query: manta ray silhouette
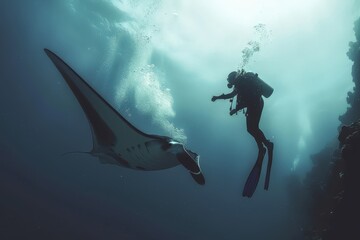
[(117, 141)]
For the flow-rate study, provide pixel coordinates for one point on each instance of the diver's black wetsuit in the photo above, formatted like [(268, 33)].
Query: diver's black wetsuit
[(248, 89), (248, 96)]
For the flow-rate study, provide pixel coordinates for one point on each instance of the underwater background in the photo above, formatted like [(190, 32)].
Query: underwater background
[(159, 63)]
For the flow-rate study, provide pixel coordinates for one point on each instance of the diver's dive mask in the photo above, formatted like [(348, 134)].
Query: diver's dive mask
[(233, 76), (231, 79)]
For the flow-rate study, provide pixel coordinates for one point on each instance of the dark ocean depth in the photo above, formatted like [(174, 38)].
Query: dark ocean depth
[(159, 63)]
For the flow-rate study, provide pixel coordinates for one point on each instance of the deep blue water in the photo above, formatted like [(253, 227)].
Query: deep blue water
[(161, 78)]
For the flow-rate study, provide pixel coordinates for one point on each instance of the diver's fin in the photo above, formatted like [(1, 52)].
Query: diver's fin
[(270, 147), (252, 181), (254, 176)]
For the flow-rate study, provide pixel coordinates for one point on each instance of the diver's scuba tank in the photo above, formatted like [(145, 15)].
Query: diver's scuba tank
[(264, 88)]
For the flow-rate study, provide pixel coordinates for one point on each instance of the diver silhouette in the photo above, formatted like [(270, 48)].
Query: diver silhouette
[(249, 89)]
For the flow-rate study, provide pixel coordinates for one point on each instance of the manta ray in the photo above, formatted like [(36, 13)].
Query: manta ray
[(116, 141)]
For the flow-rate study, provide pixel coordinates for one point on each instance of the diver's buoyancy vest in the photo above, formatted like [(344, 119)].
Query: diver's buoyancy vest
[(250, 83), (250, 88)]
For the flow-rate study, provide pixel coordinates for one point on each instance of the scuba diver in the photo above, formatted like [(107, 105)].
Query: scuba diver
[(249, 89)]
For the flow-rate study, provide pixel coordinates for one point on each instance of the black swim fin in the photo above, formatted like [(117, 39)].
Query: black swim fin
[(270, 148), (254, 176)]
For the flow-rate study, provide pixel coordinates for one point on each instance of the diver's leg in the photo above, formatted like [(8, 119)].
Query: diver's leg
[(254, 176), (260, 137), (252, 122)]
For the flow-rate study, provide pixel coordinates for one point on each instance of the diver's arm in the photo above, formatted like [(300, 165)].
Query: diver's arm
[(224, 96)]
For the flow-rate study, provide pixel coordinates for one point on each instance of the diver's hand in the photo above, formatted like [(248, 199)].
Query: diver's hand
[(214, 98), (232, 112)]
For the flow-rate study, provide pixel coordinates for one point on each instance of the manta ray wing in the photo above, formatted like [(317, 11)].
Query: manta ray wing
[(117, 141)]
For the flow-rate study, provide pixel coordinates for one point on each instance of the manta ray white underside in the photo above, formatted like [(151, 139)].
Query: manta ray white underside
[(117, 141)]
